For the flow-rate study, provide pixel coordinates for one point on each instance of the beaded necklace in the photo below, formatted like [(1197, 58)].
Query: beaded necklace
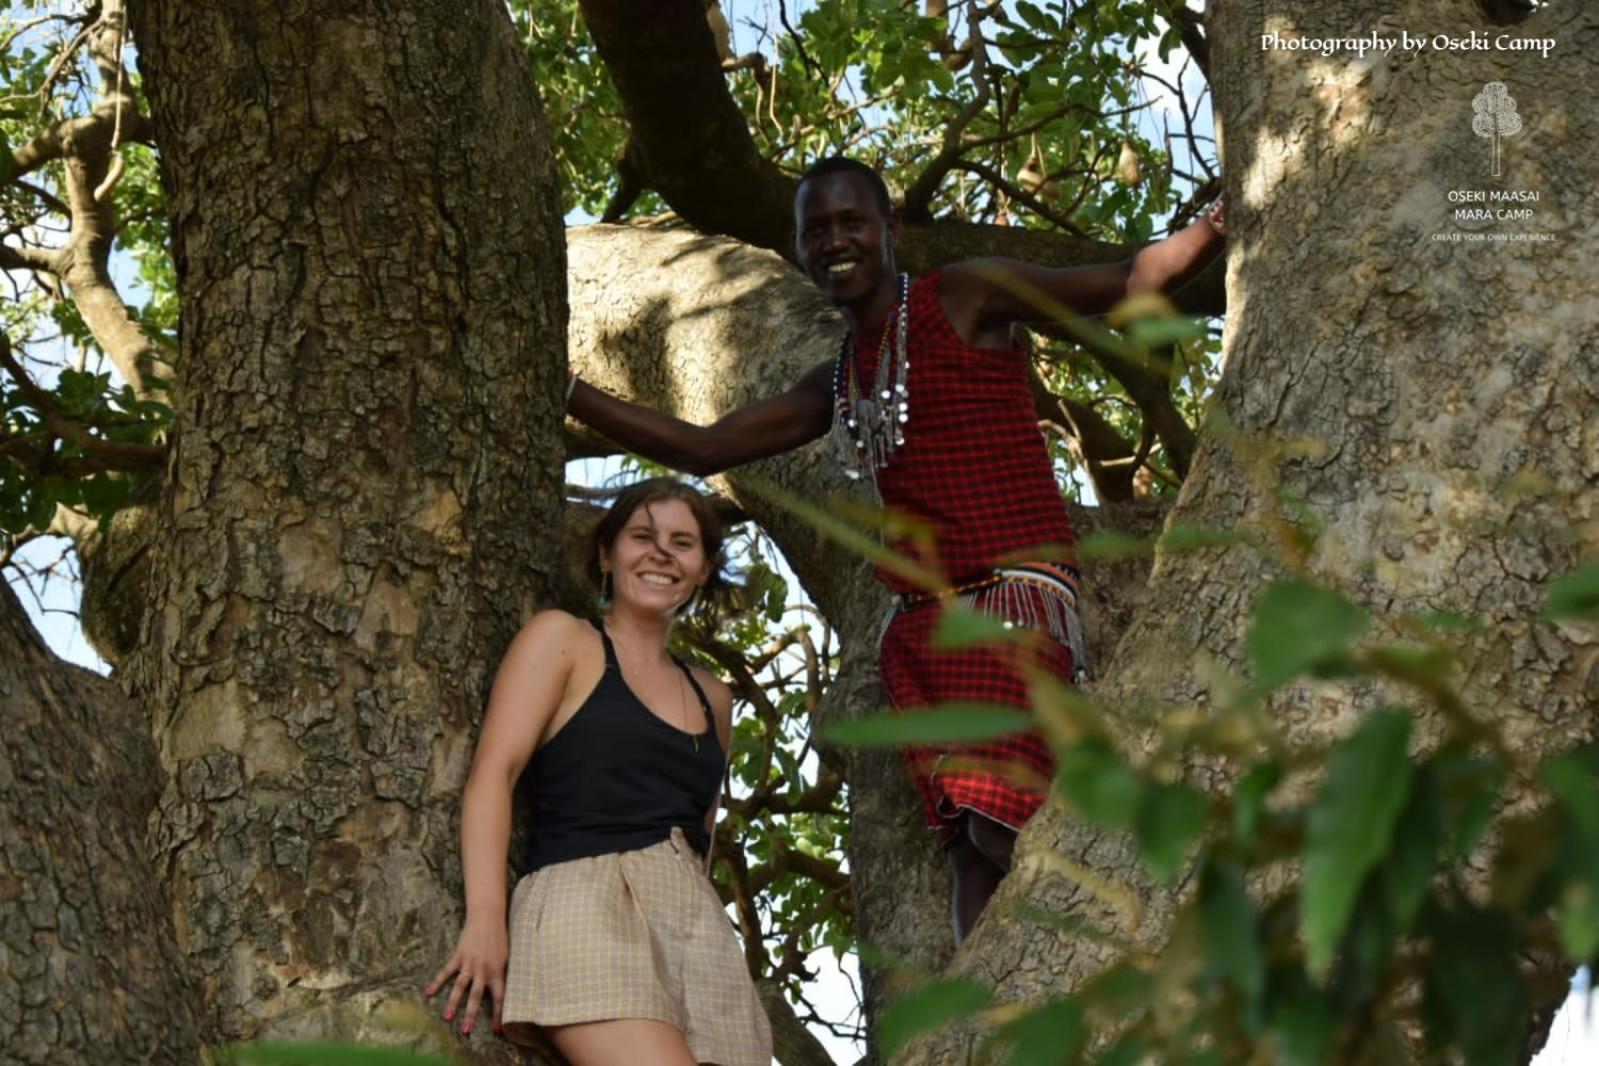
[(870, 426)]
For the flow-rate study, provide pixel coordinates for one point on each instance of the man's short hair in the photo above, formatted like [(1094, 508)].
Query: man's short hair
[(842, 164)]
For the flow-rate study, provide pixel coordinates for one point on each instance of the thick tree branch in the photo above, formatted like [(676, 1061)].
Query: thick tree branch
[(86, 930), (1150, 388), (793, 861), (52, 143), (792, 1043), (49, 260), (696, 147), (90, 158), (1191, 26), (1097, 443)]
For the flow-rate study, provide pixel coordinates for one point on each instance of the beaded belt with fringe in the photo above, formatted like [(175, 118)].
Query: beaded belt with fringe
[(996, 594)]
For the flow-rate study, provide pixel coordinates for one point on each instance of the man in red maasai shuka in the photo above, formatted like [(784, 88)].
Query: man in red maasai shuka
[(929, 399)]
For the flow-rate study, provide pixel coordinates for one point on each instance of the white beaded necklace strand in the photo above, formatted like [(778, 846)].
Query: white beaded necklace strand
[(869, 429)]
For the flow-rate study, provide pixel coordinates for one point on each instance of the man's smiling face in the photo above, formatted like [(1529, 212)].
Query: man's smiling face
[(844, 241)]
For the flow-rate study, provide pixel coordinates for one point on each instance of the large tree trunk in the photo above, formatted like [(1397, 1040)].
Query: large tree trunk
[(1431, 403), (89, 964), (366, 465)]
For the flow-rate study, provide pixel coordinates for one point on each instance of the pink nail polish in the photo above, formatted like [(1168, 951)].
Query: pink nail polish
[(466, 1030), (449, 1016)]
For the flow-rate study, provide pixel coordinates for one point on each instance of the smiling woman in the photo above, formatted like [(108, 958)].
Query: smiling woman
[(614, 946)]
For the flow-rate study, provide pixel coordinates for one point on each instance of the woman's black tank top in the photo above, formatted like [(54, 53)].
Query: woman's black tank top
[(618, 777)]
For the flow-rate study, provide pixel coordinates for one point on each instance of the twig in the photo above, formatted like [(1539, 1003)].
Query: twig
[(1019, 195), (46, 86), (5, 45), (49, 198), (920, 194), (799, 44), (108, 455)]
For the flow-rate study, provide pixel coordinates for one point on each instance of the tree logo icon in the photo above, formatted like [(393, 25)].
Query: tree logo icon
[(1495, 116)]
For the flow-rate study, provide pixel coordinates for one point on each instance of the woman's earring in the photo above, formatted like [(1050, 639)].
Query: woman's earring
[(605, 586)]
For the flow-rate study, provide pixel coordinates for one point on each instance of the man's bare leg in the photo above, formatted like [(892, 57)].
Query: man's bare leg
[(979, 856)]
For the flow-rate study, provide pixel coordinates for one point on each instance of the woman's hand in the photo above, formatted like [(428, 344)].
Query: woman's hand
[(479, 966)]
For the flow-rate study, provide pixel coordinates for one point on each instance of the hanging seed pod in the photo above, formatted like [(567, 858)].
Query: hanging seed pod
[(954, 58), (1128, 171), (1032, 177)]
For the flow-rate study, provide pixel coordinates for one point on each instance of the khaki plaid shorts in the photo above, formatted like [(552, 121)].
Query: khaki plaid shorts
[(635, 934)]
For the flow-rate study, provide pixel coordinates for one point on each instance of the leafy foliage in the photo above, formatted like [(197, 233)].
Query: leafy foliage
[(59, 398), (1311, 969)]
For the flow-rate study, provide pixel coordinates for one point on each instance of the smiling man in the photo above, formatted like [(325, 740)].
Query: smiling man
[(929, 399)]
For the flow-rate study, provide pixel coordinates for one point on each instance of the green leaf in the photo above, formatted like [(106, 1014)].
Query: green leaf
[(1418, 837), (1469, 787), (324, 1053), (1128, 1051), (1046, 1036), (1036, 18), (1186, 538), (1120, 990), (1348, 827), (947, 723), (1474, 996), (1365, 949), (1096, 781), (1573, 780), (1170, 818), (1231, 928), (1111, 546), (932, 1005), (1577, 921), (1297, 627), (959, 626), (1158, 332), (1249, 801), (1450, 621), (1302, 1022), (104, 493), (1576, 595)]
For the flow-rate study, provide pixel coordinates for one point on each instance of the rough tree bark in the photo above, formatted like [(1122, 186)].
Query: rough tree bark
[(1432, 403), (89, 964), (366, 461)]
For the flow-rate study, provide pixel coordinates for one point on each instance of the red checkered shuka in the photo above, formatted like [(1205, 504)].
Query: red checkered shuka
[(974, 467)]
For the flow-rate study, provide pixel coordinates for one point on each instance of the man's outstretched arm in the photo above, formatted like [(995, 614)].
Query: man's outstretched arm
[(755, 431), (1001, 291)]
